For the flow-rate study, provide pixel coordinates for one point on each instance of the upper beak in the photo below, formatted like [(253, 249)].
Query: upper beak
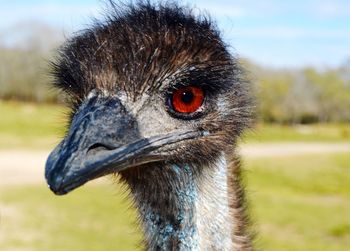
[(103, 138)]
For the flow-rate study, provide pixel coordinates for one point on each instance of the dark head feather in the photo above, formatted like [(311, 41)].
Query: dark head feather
[(119, 75), (139, 47), (146, 48)]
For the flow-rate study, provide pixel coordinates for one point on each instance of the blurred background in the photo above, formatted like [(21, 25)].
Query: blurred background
[(297, 158)]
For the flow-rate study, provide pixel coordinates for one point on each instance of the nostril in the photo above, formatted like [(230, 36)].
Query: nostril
[(98, 147)]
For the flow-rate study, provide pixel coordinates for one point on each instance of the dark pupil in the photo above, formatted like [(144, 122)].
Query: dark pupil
[(187, 97)]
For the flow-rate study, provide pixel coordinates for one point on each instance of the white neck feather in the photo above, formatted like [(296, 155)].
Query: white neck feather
[(213, 217), (186, 207)]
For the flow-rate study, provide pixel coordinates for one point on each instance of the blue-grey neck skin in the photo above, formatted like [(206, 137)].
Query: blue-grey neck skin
[(185, 207)]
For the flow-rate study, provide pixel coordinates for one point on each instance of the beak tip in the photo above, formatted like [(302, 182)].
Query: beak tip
[(61, 183), (54, 175), (55, 183), (58, 192)]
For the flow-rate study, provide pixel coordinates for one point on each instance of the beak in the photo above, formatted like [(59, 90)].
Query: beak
[(103, 138)]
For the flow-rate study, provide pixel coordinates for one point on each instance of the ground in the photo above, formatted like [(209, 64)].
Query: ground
[(297, 181), (299, 201)]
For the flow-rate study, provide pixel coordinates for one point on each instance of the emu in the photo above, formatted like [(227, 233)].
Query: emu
[(157, 98)]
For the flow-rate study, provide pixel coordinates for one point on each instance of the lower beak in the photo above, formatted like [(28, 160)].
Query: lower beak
[(103, 138)]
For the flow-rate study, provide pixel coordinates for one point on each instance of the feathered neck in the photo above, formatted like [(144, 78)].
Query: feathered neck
[(184, 207)]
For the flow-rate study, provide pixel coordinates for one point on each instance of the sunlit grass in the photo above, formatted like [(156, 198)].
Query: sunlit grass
[(95, 217), (298, 203), (306, 133), (301, 203), (27, 125), (34, 126)]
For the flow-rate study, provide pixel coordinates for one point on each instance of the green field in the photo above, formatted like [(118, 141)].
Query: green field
[(297, 202), (32, 126), (302, 202), (306, 133), (95, 217), (25, 125)]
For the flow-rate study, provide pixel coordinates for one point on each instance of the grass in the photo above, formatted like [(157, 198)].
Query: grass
[(307, 133), (301, 203), (92, 218), (24, 125), (298, 203)]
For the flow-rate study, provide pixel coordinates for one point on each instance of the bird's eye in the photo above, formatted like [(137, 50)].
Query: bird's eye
[(187, 99)]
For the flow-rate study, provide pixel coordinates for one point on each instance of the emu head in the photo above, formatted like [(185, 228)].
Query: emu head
[(151, 85)]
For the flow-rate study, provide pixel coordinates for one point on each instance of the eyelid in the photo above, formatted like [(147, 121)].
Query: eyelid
[(183, 115), (181, 106)]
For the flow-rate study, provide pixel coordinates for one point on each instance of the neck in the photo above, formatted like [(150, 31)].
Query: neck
[(185, 207)]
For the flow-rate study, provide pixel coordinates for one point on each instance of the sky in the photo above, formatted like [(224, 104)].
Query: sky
[(274, 33)]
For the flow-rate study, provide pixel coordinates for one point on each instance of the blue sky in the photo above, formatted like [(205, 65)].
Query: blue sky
[(271, 32)]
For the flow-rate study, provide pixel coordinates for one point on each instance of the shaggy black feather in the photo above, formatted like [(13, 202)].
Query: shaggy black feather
[(153, 49), (138, 46)]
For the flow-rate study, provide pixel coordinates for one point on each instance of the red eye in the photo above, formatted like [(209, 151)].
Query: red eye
[(187, 99)]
